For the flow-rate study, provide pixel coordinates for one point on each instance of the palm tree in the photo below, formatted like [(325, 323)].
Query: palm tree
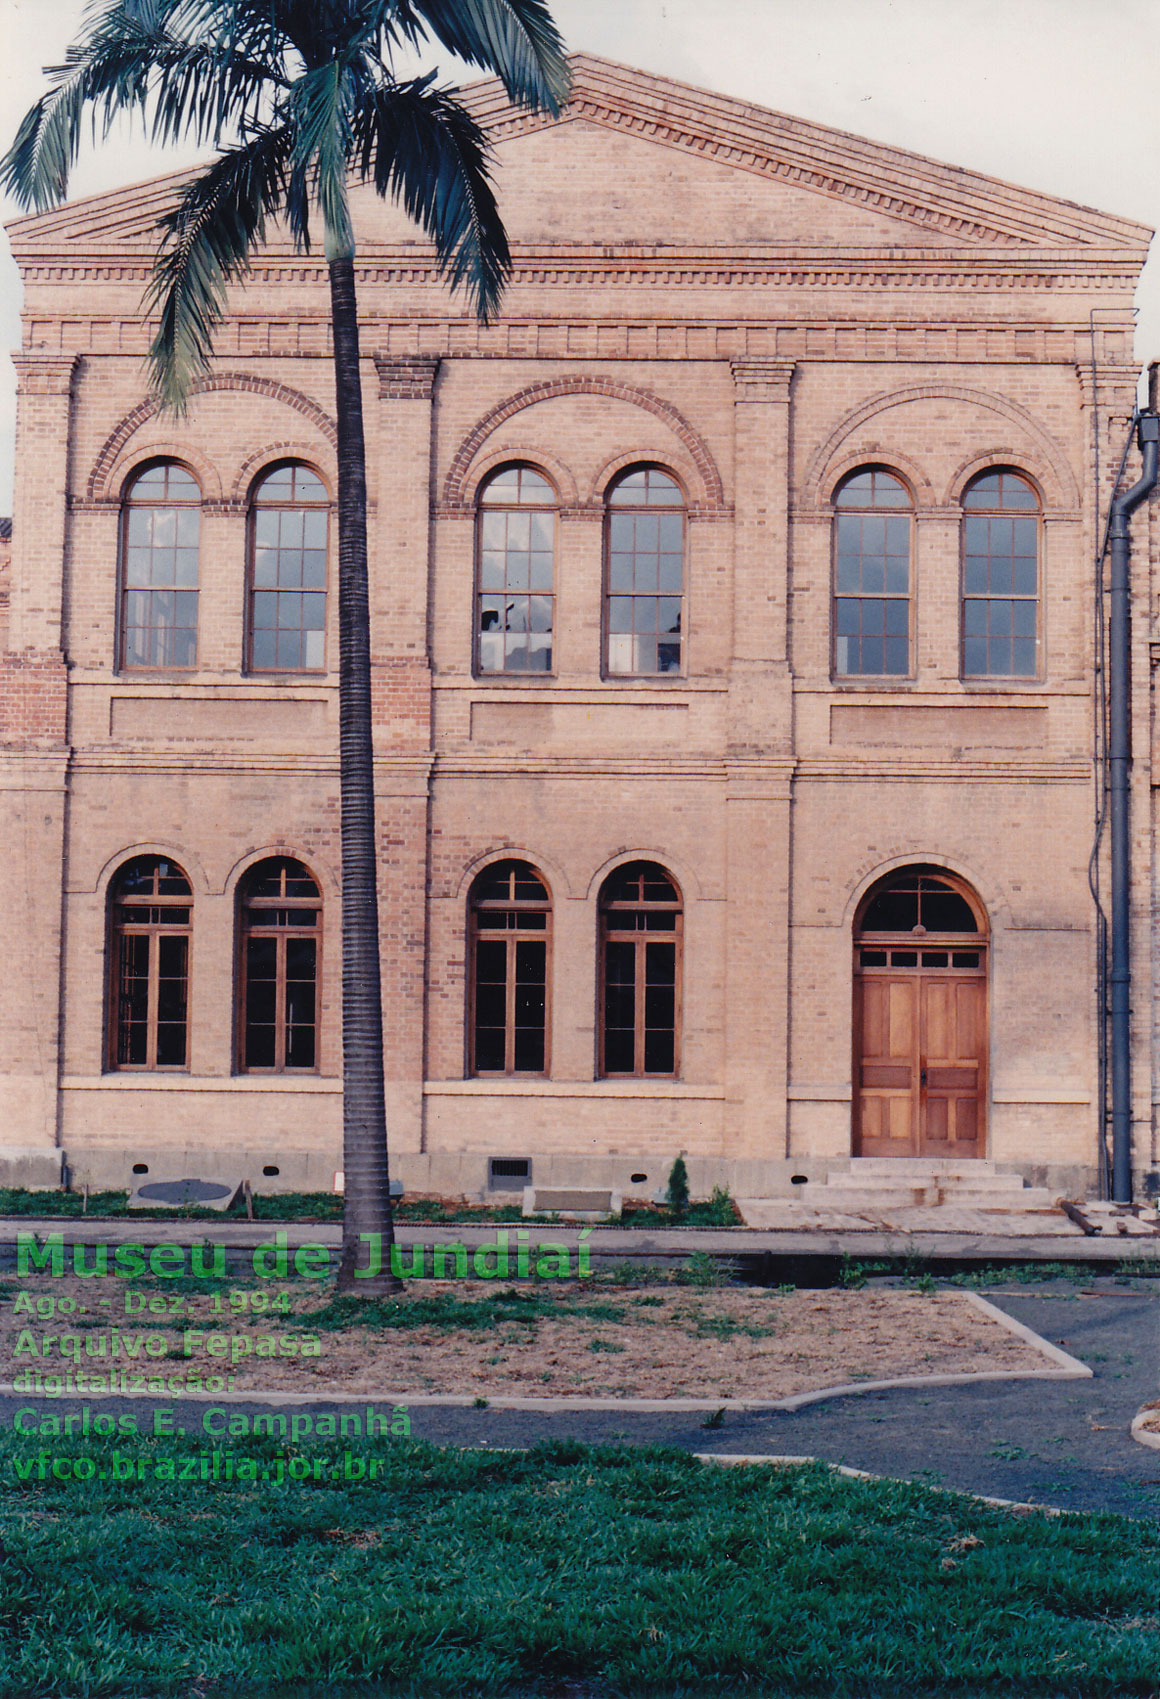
[(298, 97)]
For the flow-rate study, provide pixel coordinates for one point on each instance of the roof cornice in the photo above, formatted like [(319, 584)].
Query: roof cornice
[(964, 210)]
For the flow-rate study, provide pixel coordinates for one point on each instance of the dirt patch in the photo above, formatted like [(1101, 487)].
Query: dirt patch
[(667, 1342)]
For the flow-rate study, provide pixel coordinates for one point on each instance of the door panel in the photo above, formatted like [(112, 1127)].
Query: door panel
[(920, 1064), (951, 1026), (887, 1082)]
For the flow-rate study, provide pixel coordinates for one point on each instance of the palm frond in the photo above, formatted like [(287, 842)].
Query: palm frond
[(198, 88), (319, 106), (420, 147), (517, 39), (209, 238)]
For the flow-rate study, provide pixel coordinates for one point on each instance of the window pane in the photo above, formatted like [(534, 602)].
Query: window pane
[(645, 553), (288, 551), (871, 577)]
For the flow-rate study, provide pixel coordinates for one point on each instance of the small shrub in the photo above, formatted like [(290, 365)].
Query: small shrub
[(851, 1275), (678, 1193)]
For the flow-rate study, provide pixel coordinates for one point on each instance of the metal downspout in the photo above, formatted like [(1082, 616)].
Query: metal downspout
[(1119, 762)]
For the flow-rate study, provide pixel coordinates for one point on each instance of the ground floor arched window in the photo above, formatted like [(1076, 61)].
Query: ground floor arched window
[(281, 927), (641, 931), (151, 907)]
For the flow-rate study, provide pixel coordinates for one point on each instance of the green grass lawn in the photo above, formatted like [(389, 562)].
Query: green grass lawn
[(638, 1571), (717, 1211)]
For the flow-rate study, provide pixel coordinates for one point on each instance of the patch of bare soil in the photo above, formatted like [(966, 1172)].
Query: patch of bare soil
[(667, 1342)]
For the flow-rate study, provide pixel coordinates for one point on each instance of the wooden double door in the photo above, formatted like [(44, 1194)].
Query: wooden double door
[(920, 1051)]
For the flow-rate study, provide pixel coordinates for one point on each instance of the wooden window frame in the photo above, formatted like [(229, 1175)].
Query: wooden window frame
[(482, 508), (1011, 681), (128, 507), (512, 936), (612, 508), (838, 510), (153, 906), (248, 906), (640, 937), (256, 506)]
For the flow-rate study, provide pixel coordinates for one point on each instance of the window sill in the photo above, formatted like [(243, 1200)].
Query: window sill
[(180, 1081), (533, 1087)]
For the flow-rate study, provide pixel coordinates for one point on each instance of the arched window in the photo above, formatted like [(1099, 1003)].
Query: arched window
[(873, 521), (289, 515), (1000, 577), (640, 964), (150, 908), (516, 572), (159, 538), (281, 924), (645, 573), (510, 929)]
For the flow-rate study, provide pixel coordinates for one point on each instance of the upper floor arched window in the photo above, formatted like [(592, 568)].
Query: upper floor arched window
[(1001, 514), (281, 924), (160, 528), (873, 525), (515, 572), (151, 904), (510, 915), (289, 518), (644, 573), (641, 930)]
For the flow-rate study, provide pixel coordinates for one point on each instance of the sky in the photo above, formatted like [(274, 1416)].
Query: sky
[(1055, 95)]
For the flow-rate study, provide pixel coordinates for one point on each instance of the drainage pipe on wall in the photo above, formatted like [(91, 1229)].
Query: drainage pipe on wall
[(1119, 761)]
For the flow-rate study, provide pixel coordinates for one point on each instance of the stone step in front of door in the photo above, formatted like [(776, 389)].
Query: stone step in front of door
[(927, 1165)]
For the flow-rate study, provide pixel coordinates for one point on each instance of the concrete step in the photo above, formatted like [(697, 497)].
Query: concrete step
[(973, 1197), (873, 1200), (923, 1165)]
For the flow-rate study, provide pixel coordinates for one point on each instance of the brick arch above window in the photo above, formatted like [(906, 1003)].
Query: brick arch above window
[(317, 866), (255, 466), (900, 466), (711, 491), (559, 887), (187, 862), (659, 461), (547, 465), (819, 481), (130, 467), (677, 869), (246, 383), (997, 460)]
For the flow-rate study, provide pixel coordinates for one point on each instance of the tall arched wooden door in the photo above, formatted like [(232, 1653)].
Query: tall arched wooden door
[(920, 1018)]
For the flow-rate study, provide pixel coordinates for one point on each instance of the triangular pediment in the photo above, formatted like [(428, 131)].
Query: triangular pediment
[(637, 158)]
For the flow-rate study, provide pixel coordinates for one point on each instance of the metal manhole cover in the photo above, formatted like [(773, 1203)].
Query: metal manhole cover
[(186, 1191)]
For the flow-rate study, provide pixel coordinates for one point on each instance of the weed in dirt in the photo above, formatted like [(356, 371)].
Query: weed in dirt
[(703, 1270)]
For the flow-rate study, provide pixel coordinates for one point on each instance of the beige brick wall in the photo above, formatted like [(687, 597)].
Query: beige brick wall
[(757, 308)]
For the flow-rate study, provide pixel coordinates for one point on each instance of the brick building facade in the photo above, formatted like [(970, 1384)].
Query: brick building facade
[(732, 616)]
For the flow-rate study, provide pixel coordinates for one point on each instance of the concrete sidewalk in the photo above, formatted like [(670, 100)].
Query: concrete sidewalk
[(775, 1250)]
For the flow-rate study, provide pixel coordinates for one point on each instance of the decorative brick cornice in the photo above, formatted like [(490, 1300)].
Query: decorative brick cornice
[(763, 380), (44, 374), (407, 377)]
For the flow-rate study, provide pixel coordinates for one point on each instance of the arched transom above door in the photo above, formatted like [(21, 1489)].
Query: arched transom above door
[(920, 1018)]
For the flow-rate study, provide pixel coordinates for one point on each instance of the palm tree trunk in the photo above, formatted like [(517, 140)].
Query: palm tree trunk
[(367, 1208)]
